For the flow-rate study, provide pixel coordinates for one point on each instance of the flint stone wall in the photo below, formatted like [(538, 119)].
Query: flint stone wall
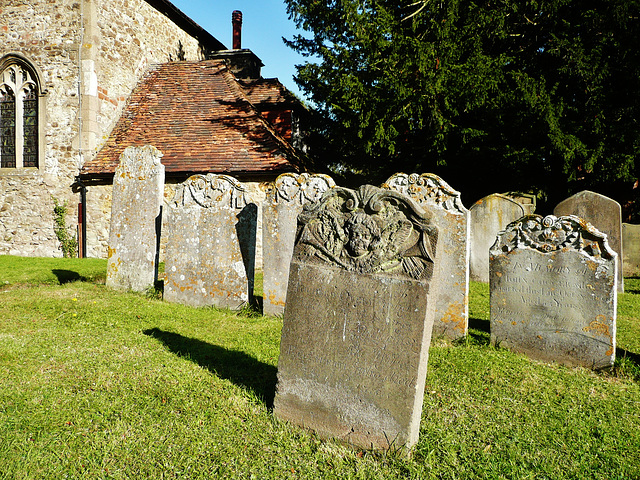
[(553, 291), (210, 252), (451, 266), (138, 191), (90, 55), (358, 319), (604, 214), (280, 210), (488, 216)]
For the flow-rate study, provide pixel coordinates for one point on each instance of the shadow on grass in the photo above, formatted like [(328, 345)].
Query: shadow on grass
[(479, 331), (627, 363), (232, 365), (68, 276)]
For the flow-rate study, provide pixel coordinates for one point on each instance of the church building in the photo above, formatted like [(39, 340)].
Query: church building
[(80, 80)]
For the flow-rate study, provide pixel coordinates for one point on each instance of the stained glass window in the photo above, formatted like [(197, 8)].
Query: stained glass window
[(7, 128), (18, 117), (30, 128)]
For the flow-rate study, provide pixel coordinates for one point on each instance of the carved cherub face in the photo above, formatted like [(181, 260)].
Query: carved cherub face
[(362, 232), (287, 186), (314, 189)]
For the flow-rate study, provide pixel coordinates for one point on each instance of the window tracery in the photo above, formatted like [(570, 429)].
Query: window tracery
[(19, 123)]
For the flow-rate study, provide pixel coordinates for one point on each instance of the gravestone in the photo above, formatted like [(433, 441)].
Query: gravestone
[(280, 212), (210, 252), (603, 213), (358, 319), (631, 249), (527, 201), (488, 216), (553, 291), (451, 266), (136, 212)]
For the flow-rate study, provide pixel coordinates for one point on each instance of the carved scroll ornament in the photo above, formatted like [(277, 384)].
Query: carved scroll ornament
[(369, 230), (551, 233), (300, 188), (210, 190), (426, 188)]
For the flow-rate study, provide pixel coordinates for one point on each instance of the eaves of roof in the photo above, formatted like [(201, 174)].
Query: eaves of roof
[(187, 24), (198, 116)]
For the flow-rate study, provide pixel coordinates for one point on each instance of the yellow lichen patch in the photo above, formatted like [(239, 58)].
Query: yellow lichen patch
[(273, 301), (598, 326), (455, 314)]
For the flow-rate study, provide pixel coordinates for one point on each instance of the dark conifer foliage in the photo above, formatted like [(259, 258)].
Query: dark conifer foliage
[(493, 95)]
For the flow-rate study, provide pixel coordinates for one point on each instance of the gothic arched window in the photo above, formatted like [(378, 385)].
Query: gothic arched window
[(19, 115)]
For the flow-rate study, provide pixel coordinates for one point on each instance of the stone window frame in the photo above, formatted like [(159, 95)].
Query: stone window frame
[(33, 80)]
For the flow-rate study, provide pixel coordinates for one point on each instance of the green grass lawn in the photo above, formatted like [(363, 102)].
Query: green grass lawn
[(98, 384)]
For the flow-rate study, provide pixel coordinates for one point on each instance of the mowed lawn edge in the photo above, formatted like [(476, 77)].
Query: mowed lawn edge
[(102, 384)]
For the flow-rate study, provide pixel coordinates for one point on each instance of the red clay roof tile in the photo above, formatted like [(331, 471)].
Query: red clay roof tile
[(198, 115)]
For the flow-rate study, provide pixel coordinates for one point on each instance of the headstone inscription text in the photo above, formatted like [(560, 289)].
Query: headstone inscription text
[(138, 189), (603, 213), (210, 252), (358, 318), (553, 291), (280, 210), (451, 269)]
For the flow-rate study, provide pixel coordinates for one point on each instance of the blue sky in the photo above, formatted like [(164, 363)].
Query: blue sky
[(264, 23)]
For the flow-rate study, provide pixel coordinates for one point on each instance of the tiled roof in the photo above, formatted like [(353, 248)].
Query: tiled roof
[(198, 116), (267, 92)]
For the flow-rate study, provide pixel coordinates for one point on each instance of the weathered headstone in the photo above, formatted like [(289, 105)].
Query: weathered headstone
[(138, 189), (210, 253), (488, 216), (553, 291), (358, 319), (527, 201), (603, 213), (631, 249), (451, 269), (280, 212)]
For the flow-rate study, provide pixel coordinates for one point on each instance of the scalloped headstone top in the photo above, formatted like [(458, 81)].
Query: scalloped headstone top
[(426, 188), (551, 233), (210, 190), (369, 230), (300, 188)]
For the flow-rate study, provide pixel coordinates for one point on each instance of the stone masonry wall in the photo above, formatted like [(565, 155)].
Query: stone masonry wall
[(46, 33), (88, 74)]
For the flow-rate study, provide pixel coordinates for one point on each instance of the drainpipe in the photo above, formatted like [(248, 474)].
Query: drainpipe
[(82, 215)]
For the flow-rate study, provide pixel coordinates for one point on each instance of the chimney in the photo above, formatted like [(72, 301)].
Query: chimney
[(236, 20)]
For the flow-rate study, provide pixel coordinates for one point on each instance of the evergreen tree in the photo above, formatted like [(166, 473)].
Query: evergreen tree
[(493, 95)]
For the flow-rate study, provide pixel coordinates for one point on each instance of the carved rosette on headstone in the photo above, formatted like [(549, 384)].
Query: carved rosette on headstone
[(280, 212), (136, 203), (451, 271), (553, 291), (358, 318), (210, 253)]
